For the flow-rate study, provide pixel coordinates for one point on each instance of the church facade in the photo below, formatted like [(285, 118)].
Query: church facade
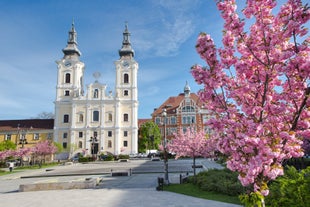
[(94, 121)]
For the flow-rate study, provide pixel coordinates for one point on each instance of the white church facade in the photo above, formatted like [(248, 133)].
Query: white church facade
[(95, 121)]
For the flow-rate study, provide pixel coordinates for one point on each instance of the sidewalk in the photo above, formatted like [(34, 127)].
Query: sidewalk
[(138, 190)]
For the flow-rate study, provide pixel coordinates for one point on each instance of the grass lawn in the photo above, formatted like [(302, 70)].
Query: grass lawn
[(33, 167), (192, 190)]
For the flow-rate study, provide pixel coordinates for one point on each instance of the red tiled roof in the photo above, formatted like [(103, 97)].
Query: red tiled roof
[(173, 102), (6, 125)]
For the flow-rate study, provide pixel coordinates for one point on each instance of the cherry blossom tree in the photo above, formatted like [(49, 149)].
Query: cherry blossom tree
[(191, 144), (257, 88), (44, 148)]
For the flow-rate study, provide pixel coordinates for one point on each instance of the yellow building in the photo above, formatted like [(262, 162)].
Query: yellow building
[(26, 132)]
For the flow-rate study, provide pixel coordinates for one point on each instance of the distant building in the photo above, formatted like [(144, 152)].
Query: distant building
[(183, 111), (96, 121), (26, 132)]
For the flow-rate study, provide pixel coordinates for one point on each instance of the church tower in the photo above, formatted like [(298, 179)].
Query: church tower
[(69, 86), (126, 90)]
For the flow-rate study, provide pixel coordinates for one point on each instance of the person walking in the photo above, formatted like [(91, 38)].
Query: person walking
[(11, 166)]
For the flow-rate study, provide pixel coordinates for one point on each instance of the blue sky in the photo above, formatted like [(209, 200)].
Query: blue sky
[(163, 35)]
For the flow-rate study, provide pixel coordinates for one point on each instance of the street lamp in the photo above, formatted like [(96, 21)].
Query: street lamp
[(22, 139), (164, 114), (93, 140)]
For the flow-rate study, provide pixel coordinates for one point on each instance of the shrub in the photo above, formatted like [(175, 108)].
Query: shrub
[(292, 189), (108, 157), (85, 159), (219, 181), (123, 156)]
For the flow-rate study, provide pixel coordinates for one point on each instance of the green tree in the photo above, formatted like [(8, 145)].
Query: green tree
[(150, 136), (7, 145)]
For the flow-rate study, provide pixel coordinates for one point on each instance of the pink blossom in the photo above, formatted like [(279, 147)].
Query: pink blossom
[(256, 87)]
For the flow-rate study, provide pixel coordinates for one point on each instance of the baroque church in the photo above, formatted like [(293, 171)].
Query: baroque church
[(94, 121)]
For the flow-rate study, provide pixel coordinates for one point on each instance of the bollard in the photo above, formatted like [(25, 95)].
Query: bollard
[(160, 186)]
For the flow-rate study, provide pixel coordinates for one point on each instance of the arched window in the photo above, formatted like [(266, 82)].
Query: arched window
[(109, 144), (125, 117), (95, 115), (66, 118), (126, 78), (80, 144), (68, 77), (96, 92)]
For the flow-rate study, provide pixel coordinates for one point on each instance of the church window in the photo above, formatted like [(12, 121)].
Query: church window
[(66, 118), (109, 144), (96, 92), (125, 117), (125, 92), (110, 117), (80, 134), (95, 115), (125, 133), (126, 78), (81, 118), (125, 143), (68, 77), (80, 144), (109, 133), (65, 135), (67, 93), (64, 145)]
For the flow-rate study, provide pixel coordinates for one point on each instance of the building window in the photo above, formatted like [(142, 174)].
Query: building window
[(157, 120), (65, 135), (109, 144), (8, 137), (125, 92), (67, 93), (110, 117), (66, 118), (109, 133), (125, 143), (125, 117), (64, 145), (80, 144), (173, 120), (126, 78), (95, 115), (96, 92), (81, 118), (188, 120), (36, 136), (125, 133), (80, 134), (188, 109), (95, 134), (68, 77), (49, 135)]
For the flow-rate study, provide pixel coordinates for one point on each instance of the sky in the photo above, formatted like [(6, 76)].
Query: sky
[(163, 35)]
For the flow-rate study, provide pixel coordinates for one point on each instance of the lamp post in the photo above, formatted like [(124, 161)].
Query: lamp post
[(164, 114), (93, 140), (22, 139)]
